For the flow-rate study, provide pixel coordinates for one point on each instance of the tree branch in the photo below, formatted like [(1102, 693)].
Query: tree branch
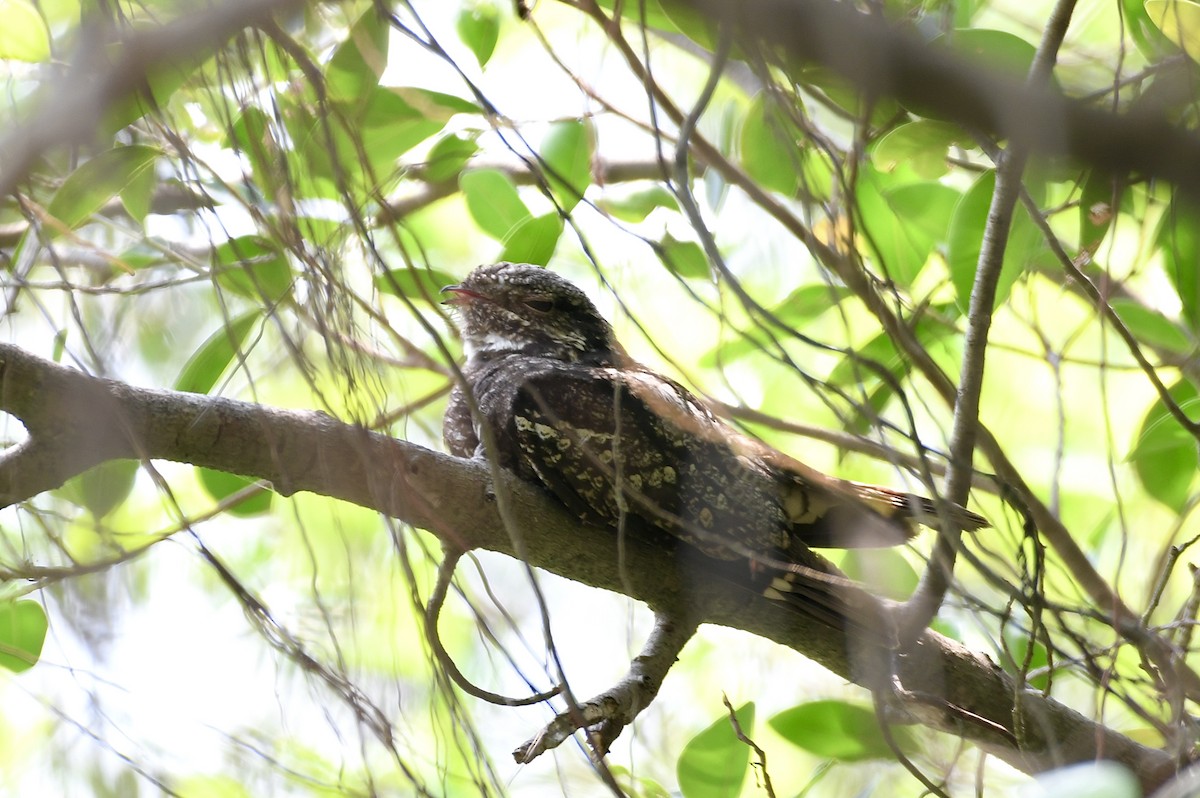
[(76, 421), (882, 59)]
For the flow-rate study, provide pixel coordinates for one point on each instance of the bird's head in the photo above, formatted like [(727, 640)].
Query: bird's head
[(518, 308)]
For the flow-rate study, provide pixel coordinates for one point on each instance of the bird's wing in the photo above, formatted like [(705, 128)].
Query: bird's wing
[(626, 444)]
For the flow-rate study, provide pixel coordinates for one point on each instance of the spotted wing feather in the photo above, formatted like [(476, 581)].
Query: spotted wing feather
[(615, 443)]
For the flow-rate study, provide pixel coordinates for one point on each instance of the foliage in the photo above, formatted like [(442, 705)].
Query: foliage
[(271, 218)]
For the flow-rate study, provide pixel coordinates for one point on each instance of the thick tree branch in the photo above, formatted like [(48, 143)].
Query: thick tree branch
[(76, 421), (881, 59)]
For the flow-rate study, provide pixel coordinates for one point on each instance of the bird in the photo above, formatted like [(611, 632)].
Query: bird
[(616, 442)]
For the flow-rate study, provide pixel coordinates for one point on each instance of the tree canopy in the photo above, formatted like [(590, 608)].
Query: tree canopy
[(949, 247)]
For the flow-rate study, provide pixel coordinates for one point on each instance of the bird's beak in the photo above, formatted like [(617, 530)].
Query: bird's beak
[(459, 295)]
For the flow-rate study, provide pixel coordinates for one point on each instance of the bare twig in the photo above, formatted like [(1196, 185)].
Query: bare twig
[(605, 715)]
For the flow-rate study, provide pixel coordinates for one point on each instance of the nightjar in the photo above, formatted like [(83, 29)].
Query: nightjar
[(617, 442)]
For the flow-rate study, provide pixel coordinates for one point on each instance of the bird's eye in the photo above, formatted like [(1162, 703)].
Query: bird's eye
[(540, 304)]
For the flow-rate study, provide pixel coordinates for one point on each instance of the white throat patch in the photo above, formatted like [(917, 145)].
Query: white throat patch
[(492, 343)]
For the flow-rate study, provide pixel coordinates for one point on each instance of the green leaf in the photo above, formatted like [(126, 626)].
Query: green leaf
[(923, 145), (430, 104), (533, 240), (567, 156), (1016, 652), (138, 194), (769, 147), (802, 306), (1096, 210), (997, 49), (360, 60), (448, 157), (1151, 327), (965, 238), (23, 626), (1179, 21), (493, 202), (102, 488), (1146, 35), (422, 284), (478, 26), (252, 135), (635, 206), (255, 267), (98, 180), (885, 570), (837, 730), (208, 363), (220, 485), (808, 302), (23, 36), (904, 224), (162, 79), (713, 763), (1164, 455), (395, 121), (1179, 238), (684, 258), (841, 93)]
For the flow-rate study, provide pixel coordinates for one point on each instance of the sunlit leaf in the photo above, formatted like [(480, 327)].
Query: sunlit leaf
[(392, 125), (478, 26), (448, 157), (251, 133), (685, 258), (713, 763), (903, 224), (1179, 238), (422, 284), (493, 201), (1022, 654), (1179, 21), (102, 488), (1164, 455), (885, 570), (23, 626), (435, 105), (922, 144), (1096, 210), (1147, 35), (1151, 327), (162, 78), (837, 730), (635, 206), (209, 786), (965, 239), (23, 36), (137, 195), (567, 153), (255, 267), (769, 147), (533, 240), (359, 61), (221, 485), (97, 181), (998, 49), (208, 363), (838, 91)]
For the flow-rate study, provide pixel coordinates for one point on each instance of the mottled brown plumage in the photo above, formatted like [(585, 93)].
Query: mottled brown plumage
[(616, 442)]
